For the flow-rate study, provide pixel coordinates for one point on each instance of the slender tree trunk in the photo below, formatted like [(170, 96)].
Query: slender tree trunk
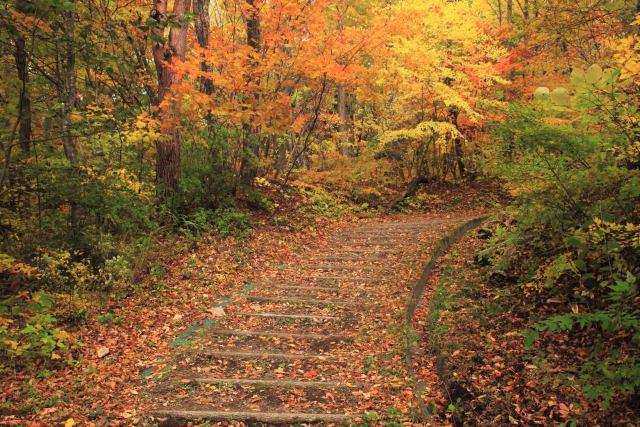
[(343, 107), (202, 24), (168, 147), (536, 9), (509, 11), (69, 97), (217, 13), (411, 189), (70, 90), (251, 151), (343, 113), (459, 154), (458, 151), (22, 66), (525, 11), (500, 12)]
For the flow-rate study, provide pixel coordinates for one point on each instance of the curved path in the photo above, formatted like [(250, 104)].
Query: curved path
[(322, 342)]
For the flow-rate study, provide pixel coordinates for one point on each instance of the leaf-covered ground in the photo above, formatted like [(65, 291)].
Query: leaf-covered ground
[(355, 342), (474, 361), (140, 337)]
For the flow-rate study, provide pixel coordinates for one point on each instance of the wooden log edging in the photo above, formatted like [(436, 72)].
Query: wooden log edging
[(442, 247)]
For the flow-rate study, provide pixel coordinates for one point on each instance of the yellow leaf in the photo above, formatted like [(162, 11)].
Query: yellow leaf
[(61, 335), (69, 423), (55, 356), (11, 343)]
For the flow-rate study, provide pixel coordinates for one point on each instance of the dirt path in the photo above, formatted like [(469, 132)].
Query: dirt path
[(320, 341)]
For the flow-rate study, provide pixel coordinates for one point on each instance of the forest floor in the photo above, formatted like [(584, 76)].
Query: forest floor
[(146, 343), (318, 339)]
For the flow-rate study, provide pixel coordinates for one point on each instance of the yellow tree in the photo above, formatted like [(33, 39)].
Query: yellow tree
[(438, 66)]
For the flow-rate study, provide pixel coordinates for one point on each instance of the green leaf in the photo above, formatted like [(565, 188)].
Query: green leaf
[(530, 336), (578, 76), (68, 6), (593, 74), (157, 39), (560, 96), (29, 329), (541, 92)]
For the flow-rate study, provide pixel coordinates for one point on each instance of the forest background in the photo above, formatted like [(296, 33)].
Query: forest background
[(128, 124)]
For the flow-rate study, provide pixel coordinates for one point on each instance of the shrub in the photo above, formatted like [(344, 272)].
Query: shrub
[(575, 234), (28, 331), (229, 221), (319, 202), (257, 201)]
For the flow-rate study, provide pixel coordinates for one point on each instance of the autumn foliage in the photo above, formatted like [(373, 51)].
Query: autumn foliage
[(126, 124)]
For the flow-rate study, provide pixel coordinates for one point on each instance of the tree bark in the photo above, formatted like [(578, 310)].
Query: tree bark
[(459, 154), (22, 66), (343, 113), (69, 97), (70, 89), (455, 113), (168, 147), (202, 24), (509, 11), (251, 149), (500, 12), (411, 189)]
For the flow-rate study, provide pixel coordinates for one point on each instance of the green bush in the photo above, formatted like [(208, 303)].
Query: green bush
[(232, 221), (575, 230), (257, 201), (318, 202), (28, 330)]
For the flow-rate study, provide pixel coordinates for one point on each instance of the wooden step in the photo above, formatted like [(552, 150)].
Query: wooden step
[(310, 288), (260, 417), (329, 267), (271, 382), (343, 258), (289, 316), (375, 243), (345, 278), (260, 355), (283, 335), (378, 238), (376, 232), (303, 301), (367, 250)]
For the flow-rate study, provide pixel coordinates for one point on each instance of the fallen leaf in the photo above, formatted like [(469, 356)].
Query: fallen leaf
[(102, 352), (311, 374), (217, 311)]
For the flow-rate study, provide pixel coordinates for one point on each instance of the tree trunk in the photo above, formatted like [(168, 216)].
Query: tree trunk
[(251, 148), (525, 11), (168, 147), (70, 90), (202, 24), (509, 11), (253, 27), (343, 113), (411, 189), (458, 151), (24, 133), (69, 97), (500, 12)]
